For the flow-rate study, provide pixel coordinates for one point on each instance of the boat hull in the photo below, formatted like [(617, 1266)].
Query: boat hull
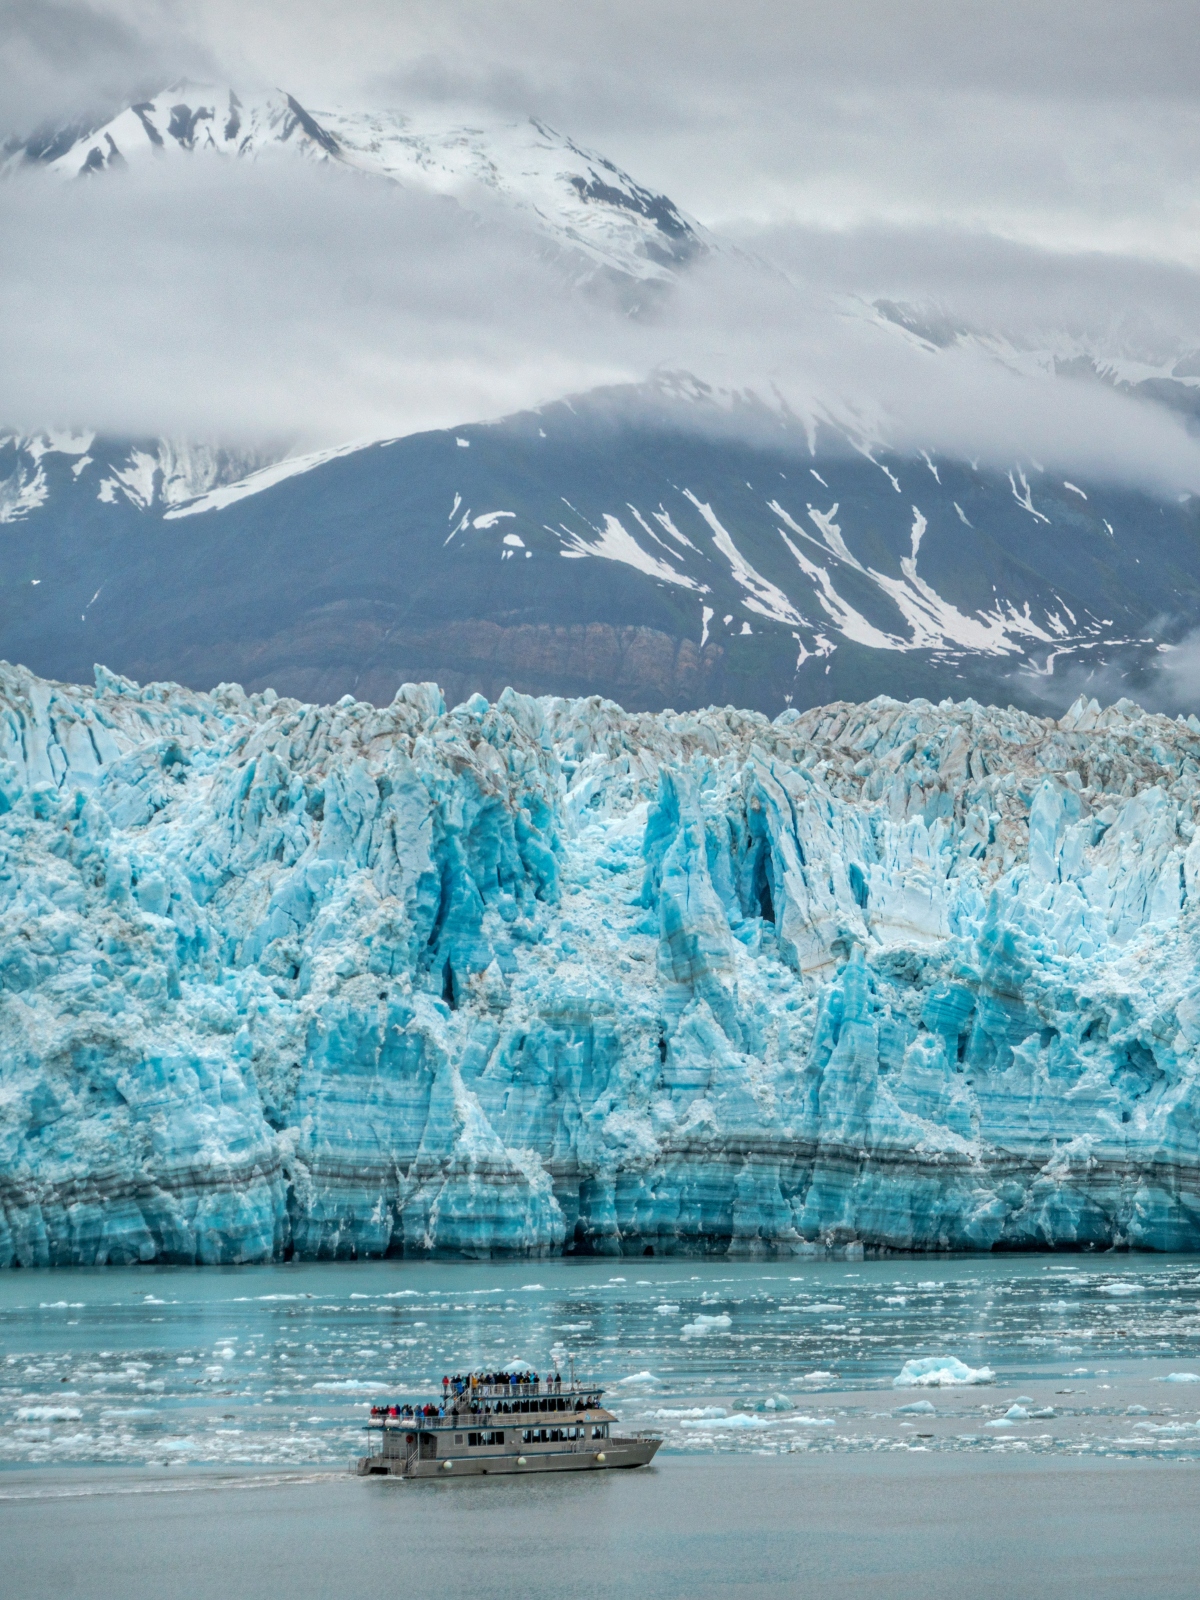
[(617, 1453)]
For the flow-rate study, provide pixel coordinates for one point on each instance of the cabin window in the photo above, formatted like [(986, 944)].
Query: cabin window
[(458, 1438)]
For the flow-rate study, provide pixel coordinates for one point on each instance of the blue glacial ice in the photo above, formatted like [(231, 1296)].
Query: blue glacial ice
[(281, 979)]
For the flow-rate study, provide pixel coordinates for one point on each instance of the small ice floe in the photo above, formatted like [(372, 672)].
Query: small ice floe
[(640, 1378), (1014, 1414), (49, 1414), (916, 1408), (702, 1326), (667, 1310), (739, 1420), (938, 1372), (1137, 1411), (820, 1376), (812, 1422), (677, 1413), (1181, 1377), (340, 1385), (1121, 1288)]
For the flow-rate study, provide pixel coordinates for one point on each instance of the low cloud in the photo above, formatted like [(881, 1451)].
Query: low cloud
[(249, 300), (245, 301)]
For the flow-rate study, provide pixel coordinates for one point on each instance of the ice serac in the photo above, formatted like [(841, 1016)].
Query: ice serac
[(542, 975)]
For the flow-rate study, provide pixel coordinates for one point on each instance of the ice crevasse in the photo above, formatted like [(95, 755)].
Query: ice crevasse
[(543, 975)]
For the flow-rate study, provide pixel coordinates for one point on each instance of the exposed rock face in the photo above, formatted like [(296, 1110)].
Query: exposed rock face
[(543, 974)]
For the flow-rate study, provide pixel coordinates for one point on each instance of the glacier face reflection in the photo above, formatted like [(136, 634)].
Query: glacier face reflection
[(277, 1365)]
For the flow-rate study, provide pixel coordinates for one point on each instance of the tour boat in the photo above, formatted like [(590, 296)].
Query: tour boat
[(505, 1422)]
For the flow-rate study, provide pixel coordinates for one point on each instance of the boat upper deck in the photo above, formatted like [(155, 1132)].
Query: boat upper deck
[(464, 1399)]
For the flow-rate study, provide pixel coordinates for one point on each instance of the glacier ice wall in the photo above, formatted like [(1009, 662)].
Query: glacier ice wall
[(542, 975)]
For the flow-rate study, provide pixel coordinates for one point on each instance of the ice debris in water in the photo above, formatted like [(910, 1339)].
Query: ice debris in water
[(332, 981), (916, 1408), (1182, 1377), (936, 1372), (701, 1326)]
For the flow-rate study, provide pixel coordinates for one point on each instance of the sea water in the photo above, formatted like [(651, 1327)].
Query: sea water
[(854, 1526), (277, 1366)]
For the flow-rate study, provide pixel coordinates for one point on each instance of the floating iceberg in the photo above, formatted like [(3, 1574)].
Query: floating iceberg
[(939, 1372), (337, 981)]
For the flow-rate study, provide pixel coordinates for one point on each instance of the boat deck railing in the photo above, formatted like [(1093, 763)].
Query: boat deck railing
[(506, 1391), (485, 1417)]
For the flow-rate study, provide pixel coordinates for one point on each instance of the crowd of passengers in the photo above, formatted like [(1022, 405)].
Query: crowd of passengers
[(459, 1396)]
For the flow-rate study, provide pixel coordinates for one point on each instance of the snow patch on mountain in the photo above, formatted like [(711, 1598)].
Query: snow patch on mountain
[(225, 494), (614, 542), (26, 487)]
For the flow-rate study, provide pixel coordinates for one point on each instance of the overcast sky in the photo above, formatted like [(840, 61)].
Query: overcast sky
[(1072, 122), (1022, 166)]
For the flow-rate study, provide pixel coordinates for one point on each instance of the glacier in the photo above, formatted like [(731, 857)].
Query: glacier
[(542, 975)]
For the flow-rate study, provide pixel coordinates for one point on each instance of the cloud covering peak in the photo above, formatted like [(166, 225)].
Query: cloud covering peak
[(933, 220)]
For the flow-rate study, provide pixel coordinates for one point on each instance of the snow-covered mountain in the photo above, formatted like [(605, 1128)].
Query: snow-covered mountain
[(655, 559), (601, 221), (580, 549), (585, 204)]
